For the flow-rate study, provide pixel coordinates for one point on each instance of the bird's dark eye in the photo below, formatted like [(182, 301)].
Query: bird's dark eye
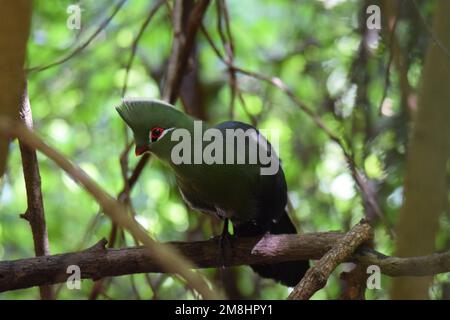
[(155, 133)]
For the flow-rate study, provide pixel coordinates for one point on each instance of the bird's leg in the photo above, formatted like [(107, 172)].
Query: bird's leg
[(225, 232), (224, 241)]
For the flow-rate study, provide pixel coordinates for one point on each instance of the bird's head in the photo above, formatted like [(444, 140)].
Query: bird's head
[(151, 122)]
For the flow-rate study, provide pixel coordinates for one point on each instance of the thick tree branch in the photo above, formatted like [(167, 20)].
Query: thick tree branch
[(35, 205), (98, 262), (317, 276), (354, 283)]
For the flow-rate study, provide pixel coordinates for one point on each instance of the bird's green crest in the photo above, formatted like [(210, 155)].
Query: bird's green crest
[(141, 115)]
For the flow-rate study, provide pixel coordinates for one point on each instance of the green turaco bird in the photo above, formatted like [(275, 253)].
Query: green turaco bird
[(231, 190)]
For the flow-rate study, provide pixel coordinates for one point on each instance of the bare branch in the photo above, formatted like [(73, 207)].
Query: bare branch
[(98, 262), (35, 206), (354, 283), (317, 276), (407, 267), (135, 44), (182, 45)]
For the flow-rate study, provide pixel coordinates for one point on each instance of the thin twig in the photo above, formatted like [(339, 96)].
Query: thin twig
[(182, 46), (228, 45), (35, 213), (82, 46), (177, 43), (135, 44), (390, 59)]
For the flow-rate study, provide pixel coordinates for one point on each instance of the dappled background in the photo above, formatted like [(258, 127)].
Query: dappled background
[(362, 83)]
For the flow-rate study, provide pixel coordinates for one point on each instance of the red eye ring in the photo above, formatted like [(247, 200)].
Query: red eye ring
[(155, 133)]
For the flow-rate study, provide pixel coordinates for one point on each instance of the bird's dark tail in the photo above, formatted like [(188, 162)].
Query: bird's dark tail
[(288, 273)]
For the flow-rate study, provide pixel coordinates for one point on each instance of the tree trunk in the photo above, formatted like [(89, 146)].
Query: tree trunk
[(15, 19), (425, 189)]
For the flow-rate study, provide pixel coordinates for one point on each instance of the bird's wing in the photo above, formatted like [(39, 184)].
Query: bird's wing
[(269, 192), (194, 202)]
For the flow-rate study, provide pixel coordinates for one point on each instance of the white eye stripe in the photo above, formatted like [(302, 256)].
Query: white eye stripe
[(164, 133)]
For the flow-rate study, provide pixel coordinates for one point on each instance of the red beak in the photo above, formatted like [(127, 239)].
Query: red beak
[(140, 150)]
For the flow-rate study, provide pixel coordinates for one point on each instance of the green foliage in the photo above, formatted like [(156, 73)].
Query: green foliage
[(311, 45)]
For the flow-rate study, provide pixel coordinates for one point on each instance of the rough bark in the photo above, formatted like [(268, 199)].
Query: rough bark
[(98, 262), (35, 205), (317, 276)]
